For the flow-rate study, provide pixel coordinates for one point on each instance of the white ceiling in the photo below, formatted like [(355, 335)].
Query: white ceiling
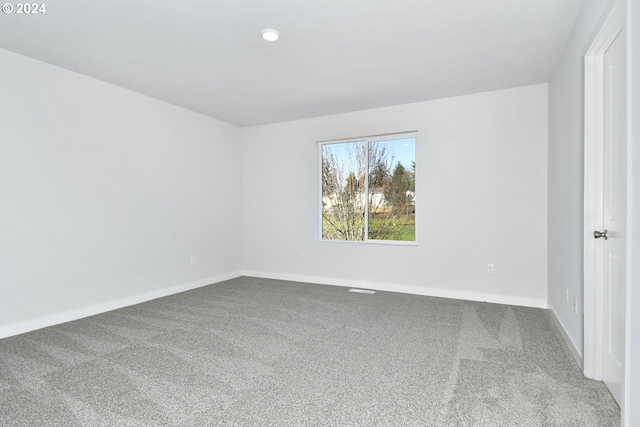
[(334, 55)]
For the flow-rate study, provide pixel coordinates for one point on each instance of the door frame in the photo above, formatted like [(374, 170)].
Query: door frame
[(613, 22)]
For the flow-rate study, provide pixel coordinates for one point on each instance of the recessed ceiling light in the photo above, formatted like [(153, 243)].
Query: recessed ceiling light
[(270, 35)]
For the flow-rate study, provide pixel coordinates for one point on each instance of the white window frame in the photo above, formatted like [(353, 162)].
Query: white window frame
[(367, 140)]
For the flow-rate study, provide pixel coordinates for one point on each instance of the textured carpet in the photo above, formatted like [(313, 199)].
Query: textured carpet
[(256, 352)]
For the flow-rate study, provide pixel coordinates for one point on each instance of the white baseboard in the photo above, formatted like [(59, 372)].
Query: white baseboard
[(405, 289), (43, 322), (67, 316), (575, 351)]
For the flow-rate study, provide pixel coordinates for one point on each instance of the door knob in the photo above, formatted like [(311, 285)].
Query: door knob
[(599, 234)]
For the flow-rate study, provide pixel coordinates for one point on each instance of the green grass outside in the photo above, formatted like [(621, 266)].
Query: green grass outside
[(401, 228), (384, 227)]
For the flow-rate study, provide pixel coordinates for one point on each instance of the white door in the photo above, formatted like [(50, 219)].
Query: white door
[(615, 215)]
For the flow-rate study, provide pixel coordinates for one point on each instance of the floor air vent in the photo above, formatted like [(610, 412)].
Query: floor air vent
[(362, 291)]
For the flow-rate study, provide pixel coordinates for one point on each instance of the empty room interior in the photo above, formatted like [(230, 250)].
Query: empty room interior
[(396, 213)]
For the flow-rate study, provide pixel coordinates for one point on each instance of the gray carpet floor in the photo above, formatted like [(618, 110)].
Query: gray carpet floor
[(257, 352)]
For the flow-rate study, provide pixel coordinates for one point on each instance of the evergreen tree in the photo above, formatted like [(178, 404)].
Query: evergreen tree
[(397, 193)]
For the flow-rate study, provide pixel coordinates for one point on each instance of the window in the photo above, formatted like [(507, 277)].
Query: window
[(368, 189)]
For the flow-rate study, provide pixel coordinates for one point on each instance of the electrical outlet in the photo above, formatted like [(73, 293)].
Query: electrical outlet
[(566, 295), (490, 269), (192, 260), (303, 256)]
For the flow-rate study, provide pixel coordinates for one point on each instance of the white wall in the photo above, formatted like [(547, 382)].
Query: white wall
[(566, 175), (105, 195), (481, 191)]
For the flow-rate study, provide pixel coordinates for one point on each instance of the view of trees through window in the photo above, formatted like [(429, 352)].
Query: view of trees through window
[(368, 189)]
